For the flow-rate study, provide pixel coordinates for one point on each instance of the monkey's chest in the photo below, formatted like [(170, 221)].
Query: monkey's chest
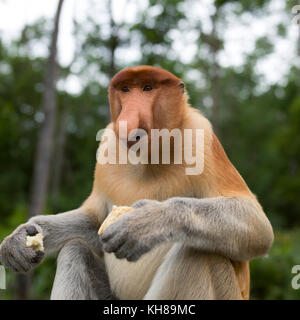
[(125, 188)]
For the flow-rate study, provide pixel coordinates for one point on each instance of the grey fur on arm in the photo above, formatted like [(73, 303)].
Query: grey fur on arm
[(60, 228), (233, 227), (56, 231)]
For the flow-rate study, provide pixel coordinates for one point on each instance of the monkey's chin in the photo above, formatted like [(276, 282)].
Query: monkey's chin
[(131, 143)]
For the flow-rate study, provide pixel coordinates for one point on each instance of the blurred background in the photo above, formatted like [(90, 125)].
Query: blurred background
[(240, 61)]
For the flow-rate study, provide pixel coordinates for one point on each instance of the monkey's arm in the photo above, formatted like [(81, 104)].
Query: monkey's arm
[(56, 230), (234, 227), (61, 228)]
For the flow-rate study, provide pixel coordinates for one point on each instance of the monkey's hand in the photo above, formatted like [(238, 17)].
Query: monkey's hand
[(15, 255), (138, 231)]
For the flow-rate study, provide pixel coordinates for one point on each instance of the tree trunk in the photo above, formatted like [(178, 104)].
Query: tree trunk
[(22, 287), (59, 155), (113, 38), (298, 47), (45, 138), (215, 76), (61, 138), (113, 44), (44, 145)]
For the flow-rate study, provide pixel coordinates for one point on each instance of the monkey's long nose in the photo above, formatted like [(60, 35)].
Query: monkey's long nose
[(126, 123)]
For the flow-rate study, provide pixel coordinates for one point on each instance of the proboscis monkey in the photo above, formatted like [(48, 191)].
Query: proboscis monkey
[(188, 236)]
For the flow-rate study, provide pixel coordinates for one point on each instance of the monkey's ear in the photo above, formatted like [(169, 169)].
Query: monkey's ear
[(181, 85)]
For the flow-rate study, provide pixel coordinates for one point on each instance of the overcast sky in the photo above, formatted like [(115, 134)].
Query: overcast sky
[(239, 37)]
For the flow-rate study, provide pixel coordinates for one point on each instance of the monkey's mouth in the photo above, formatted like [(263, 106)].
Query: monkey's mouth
[(136, 137), (132, 143)]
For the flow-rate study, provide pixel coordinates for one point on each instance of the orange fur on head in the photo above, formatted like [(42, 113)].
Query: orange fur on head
[(161, 107)]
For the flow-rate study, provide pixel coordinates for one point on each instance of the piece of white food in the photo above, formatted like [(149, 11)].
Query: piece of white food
[(113, 216), (35, 242)]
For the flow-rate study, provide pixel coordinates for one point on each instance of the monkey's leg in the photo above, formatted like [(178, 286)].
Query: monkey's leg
[(188, 273), (80, 274)]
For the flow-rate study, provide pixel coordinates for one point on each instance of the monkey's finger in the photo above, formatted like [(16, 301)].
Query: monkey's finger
[(112, 247), (114, 230), (133, 257), (16, 258), (125, 249), (136, 253), (24, 259), (9, 264), (114, 244), (31, 231), (15, 264), (38, 257), (107, 234)]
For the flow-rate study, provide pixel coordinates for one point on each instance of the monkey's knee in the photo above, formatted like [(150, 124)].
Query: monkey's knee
[(80, 274), (188, 274), (73, 251)]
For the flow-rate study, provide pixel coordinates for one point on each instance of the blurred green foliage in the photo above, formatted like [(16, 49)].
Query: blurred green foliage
[(271, 276), (259, 128)]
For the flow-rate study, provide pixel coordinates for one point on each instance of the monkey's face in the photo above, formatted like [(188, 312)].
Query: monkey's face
[(145, 98)]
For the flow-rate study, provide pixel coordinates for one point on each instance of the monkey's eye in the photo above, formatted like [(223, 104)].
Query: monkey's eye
[(125, 89), (147, 88)]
